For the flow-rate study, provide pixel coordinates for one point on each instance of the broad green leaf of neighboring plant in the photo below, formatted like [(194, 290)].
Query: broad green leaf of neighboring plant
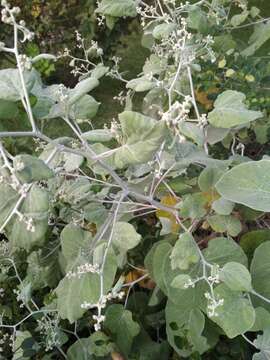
[(222, 250), (184, 253), (35, 206), (142, 138), (10, 84), (236, 276), (230, 111), (225, 224), (247, 184), (73, 292), (29, 169), (117, 8), (125, 236), (236, 315), (74, 240), (122, 327), (260, 272)]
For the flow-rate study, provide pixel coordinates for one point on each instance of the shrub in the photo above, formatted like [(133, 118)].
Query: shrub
[(147, 238)]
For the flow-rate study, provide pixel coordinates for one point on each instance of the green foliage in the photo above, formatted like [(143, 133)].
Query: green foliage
[(146, 238)]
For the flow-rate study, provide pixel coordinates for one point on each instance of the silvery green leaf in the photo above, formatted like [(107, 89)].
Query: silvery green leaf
[(238, 19), (125, 236), (237, 315), (85, 108), (258, 38), (81, 89), (222, 206), (236, 276), (180, 281), (140, 84), (99, 135), (142, 138), (117, 8), (120, 323), (184, 253), (247, 184), (163, 30), (29, 168), (230, 111), (10, 84), (225, 224)]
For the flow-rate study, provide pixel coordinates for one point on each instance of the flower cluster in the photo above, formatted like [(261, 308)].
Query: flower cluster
[(84, 269)]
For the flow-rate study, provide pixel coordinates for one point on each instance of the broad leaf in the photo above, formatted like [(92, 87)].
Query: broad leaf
[(123, 328), (236, 315), (36, 207), (29, 169), (142, 138), (125, 236), (184, 253), (117, 8), (225, 224), (236, 276), (260, 272), (10, 84), (247, 184), (230, 111)]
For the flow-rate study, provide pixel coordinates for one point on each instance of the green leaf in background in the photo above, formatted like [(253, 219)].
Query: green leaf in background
[(163, 30), (258, 38), (80, 350), (252, 239), (193, 206), (184, 253), (222, 206), (222, 250), (260, 272), (230, 111), (225, 224), (247, 184), (237, 315), (209, 177), (125, 236), (122, 327), (236, 276), (117, 8), (29, 169)]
